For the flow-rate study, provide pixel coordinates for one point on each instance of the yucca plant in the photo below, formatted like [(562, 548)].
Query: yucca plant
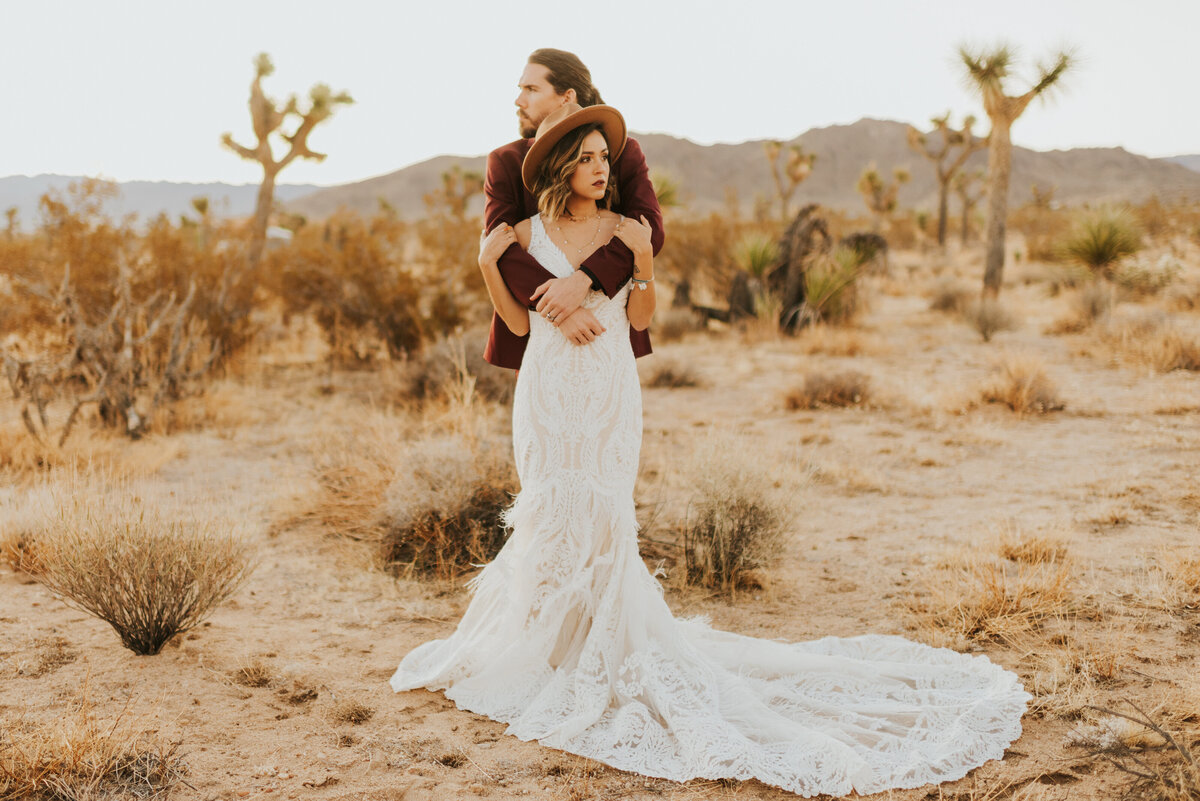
[(756, 253), (1101, 238), (830, 287)]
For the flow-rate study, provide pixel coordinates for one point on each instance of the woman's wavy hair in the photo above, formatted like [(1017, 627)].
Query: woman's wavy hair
[(552, 183), (567, 72)]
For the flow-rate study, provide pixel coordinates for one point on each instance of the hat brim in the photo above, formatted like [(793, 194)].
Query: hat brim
[(611, 123)]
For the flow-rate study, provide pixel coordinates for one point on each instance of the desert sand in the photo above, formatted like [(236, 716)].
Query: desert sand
[(893, 498)]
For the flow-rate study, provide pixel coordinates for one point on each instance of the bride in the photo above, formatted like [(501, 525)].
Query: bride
[(567, 637)]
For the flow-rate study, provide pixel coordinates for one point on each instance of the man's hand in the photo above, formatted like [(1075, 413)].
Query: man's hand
[(560, 297), (581, 327)]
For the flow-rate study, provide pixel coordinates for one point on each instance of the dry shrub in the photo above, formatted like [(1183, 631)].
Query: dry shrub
[(1093, 302), (1020, 383), (673, 323), (434, 372), (820, 390), (441, 514), (1140, 276), (671, 374), (950, 296), (77, 757), (1154, 749), (149, 575), (1183, 297), (989, 317), (736, 520), (987, 597), (831, 291), (1154, 341)]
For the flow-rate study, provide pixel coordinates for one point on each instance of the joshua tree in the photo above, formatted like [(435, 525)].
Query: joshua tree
[(268, 118), (10, 217), (945, 164), (458, 187), (799, 166), (967, 197), (880, 197), (986, 72)]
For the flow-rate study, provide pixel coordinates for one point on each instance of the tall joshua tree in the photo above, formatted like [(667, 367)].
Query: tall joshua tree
[(880, 197), (986, 72), (946, 163), (798, 167), (268, 118)]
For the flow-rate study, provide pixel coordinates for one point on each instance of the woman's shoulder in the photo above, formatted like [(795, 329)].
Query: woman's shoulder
[(524, 231), (609, 219)]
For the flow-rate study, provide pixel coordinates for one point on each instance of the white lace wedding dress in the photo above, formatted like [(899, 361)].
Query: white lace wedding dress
[(567, 637)]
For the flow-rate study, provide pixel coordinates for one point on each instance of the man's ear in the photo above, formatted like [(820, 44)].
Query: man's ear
[(569, 96)]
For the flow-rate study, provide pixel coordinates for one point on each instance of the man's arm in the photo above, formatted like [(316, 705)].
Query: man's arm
[(611, 265), (502, 203)]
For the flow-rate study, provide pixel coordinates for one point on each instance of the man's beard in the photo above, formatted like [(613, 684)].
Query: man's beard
[(526, 127)]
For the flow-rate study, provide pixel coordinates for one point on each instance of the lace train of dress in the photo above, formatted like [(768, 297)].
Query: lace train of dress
[(568, 639)]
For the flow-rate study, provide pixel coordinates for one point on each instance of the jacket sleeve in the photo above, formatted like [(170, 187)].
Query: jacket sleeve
[(502, 189), (612, 265)]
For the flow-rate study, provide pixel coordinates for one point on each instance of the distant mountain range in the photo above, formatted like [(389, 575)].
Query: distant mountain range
[(707, 177), (1191, 162), (146, 199)]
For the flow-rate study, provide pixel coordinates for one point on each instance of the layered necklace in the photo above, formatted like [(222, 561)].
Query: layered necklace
[(573, 218)]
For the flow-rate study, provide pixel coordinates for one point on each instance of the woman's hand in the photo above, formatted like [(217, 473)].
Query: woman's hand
[(493, 245), (636, 236)]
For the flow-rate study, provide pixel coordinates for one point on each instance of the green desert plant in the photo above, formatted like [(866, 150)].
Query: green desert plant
[(831, 286), (756, 253), (1101, 238)]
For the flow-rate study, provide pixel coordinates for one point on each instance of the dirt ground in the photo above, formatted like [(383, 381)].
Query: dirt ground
[(888, 495)]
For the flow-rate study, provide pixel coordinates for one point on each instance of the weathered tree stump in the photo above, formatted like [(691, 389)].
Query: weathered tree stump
[(806, 238)]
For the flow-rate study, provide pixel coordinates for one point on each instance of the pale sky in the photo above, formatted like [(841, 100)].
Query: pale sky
[(142, 90)]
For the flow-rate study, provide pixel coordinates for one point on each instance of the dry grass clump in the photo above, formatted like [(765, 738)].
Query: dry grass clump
[(735, 521), (989, 317), (442, 511), (76, 757), (1020, 383), (820, 390), (1141, 277), (352, 711), (148, 575), (254, 673), (983, 596), (1017, 546), (671, 374), (1152, 340)]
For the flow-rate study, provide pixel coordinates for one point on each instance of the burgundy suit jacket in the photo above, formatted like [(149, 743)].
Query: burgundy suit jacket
[(507, 200)]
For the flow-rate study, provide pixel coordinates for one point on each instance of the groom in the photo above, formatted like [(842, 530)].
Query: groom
[(552, 78)]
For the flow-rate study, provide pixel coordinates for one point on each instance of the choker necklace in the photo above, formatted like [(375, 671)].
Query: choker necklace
[(567, 213)]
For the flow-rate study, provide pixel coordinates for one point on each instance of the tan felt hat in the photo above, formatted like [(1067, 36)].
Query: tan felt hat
[(562, 121)]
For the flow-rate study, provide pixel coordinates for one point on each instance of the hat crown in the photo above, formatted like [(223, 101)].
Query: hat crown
[(555, 117)]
